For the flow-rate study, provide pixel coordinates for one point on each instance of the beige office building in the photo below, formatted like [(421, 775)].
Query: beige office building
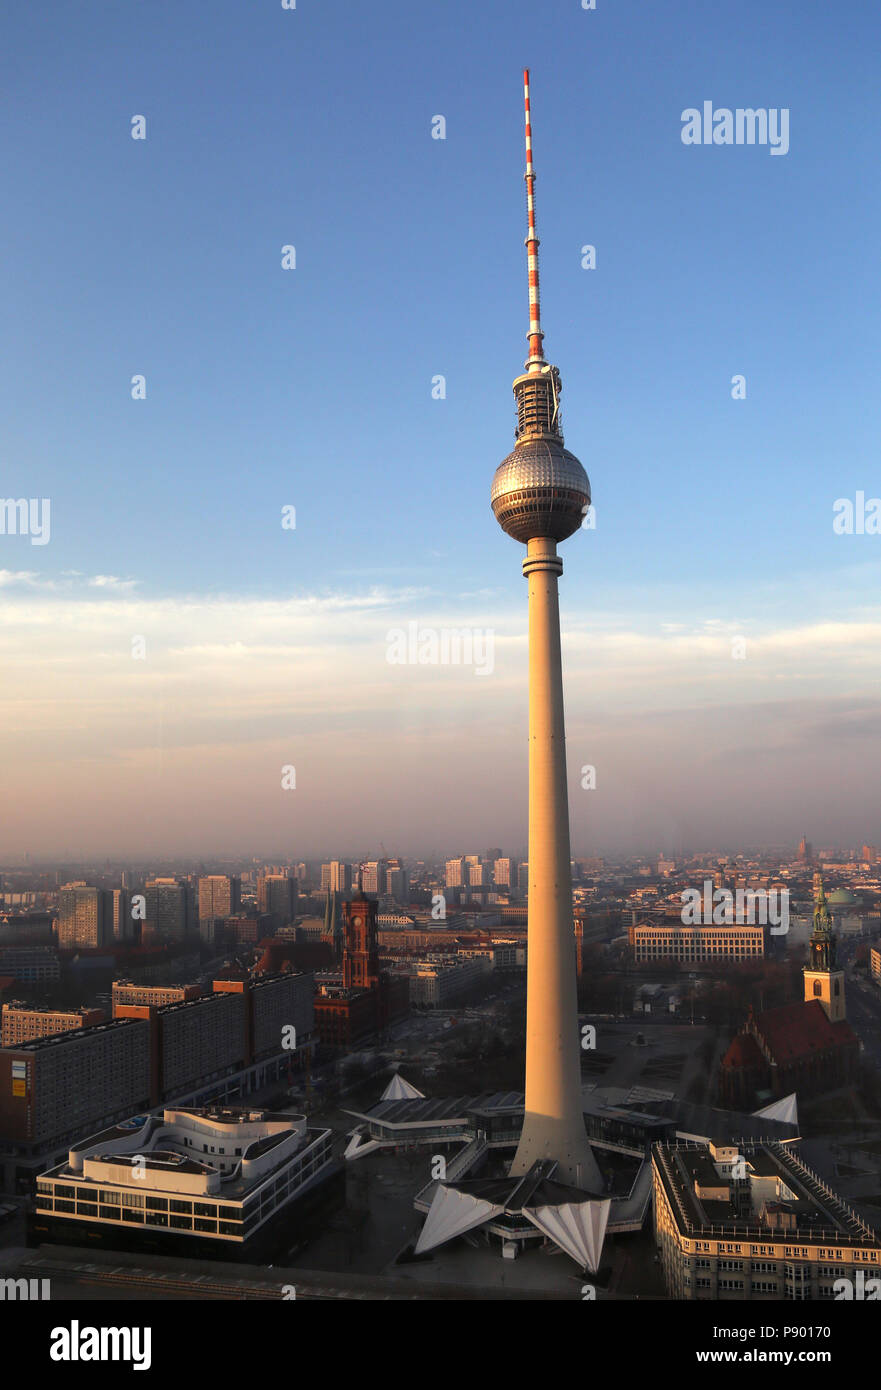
[(651, 942), (752, 1222)]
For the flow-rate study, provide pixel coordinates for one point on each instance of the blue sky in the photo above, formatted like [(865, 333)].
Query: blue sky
[(312, 387)]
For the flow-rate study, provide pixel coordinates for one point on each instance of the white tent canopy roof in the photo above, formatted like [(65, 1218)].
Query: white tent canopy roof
[(578, 1228), (399, 1089), (451, 1214), (785, 1109)]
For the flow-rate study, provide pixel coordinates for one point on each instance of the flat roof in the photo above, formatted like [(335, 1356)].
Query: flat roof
[(819, 1214), (155, 1158), (74, 1035), (449, 1108)]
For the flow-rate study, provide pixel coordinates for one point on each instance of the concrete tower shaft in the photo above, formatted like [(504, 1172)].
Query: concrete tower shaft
[(553, 1125)]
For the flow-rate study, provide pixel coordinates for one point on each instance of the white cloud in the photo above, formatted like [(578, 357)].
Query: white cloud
[(232, 687), (111, 581)]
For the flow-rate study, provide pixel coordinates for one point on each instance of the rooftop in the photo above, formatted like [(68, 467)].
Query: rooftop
[(75, 1036), (820, 1216), (448, 1109), (795, 1030)]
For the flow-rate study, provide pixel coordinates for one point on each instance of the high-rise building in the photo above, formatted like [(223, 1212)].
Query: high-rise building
[(220, 895), (455, 873), (84, 917), (122, 923), (478, 874), (339, 877), (540, 497), (277, 894), (373, 876), (504, 873), (396, 881), (167, 908)]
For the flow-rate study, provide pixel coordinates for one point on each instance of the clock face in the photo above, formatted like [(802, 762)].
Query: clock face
[(356, 921)]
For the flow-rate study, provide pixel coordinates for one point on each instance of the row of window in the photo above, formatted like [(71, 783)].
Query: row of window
[(789, 1251), (175, 1213), (140, 1216)]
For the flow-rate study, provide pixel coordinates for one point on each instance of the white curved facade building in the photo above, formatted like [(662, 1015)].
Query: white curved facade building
[(216, 1177)]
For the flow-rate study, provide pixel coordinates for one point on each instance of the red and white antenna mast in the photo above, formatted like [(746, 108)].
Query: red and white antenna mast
[(536, 361)]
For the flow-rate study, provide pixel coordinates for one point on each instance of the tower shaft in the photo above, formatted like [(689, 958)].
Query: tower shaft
[(553, 1124)]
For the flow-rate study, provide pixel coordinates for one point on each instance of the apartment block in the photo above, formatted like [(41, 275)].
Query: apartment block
[(21, 1023)]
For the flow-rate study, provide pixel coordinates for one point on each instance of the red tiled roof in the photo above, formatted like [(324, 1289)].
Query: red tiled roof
[(743, 1052), (798, 1030)]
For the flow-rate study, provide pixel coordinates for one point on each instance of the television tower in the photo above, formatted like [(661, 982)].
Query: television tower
[(540, 494)]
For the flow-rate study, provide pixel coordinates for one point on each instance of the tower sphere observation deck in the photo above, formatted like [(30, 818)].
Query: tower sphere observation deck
[(540, 490)]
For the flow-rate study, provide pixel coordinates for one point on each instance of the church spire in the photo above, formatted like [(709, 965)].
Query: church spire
[(822, 937), (822, 915)]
